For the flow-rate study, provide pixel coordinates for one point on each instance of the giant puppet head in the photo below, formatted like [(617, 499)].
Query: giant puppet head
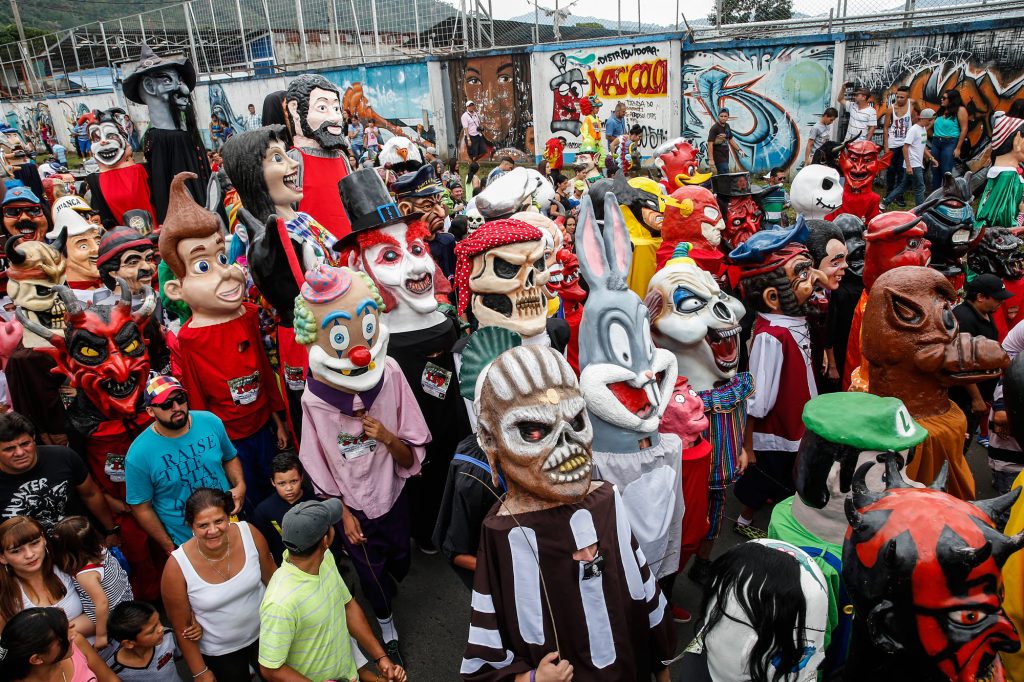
[(894, 239), (338, 315), (693, 318), (35, 269), (777, 273), (685, 415), (109, 140), (420, 192), (24, 214), (193, 246), (999, 252), (738, 199), (827, 246), (77, 238), (852, 228), (948, 215), (400, 155), (766, 614), (568, 287), (816, 191), (164, 84), (313, 105), (626, 380), (923, 571), (844, 430), (912, 343), (641, 200), (860, 163), (521, 189), (125, 255), (392, 249), (553, 240), (102, 351), (679, 164), (501, 270), (531, 419), (1007, 141), (692, 214)]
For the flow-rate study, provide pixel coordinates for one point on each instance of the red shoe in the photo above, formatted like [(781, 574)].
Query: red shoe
[(681, 615)]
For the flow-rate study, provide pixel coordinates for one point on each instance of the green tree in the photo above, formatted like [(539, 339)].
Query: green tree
[(746, 11), (588, 24)]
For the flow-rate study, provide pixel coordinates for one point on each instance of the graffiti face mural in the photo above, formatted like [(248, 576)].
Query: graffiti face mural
[(773, 95), (500, 86), (635, 75)]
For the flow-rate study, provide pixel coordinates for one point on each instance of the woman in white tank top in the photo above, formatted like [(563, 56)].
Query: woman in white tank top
[(213, 589)]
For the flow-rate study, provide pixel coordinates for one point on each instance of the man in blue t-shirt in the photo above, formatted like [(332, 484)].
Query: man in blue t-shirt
[(180, 452)]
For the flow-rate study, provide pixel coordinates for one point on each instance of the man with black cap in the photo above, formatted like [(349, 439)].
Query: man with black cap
[(300, 631), (982, 296), (421, 192)]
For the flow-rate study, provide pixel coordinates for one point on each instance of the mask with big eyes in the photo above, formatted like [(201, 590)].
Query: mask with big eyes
[(742, 219), (507, 285), (398, 260), (110, 146), (816, 191)]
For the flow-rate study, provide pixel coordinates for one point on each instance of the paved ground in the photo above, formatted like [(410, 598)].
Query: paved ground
[(432, 610)]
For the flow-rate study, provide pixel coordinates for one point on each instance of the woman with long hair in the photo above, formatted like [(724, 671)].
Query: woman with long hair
[(29, 577), (948, 134), (39, 646), (213, 588)]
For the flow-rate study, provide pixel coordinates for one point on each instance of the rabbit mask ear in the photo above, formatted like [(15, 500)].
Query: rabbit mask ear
[(590, 245), (617, 246)]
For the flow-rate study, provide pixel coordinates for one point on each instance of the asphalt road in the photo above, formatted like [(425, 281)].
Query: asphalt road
[(432, 608)]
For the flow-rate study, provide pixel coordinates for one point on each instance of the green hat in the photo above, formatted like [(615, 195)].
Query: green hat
[(863, 421)]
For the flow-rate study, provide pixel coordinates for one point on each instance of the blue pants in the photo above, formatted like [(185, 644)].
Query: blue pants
[(917, 178), (256, 452), (942, 149), (896, 170)]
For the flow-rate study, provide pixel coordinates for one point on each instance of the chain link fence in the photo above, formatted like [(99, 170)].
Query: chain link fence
[(264, 37)]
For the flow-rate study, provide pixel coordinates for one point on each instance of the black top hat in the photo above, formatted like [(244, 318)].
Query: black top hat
[(368, 204), (418, 183), (150, 62), (738, 185)]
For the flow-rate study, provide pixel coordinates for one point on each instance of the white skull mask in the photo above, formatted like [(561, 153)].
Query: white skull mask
[(34, 270), (816, 191), (696, 320), (473, 220), (507, 284)]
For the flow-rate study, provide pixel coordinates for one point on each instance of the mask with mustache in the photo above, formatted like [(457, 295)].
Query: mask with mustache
[(325, 139)]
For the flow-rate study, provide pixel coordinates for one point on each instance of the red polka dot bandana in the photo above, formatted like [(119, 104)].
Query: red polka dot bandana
[(486, 237)]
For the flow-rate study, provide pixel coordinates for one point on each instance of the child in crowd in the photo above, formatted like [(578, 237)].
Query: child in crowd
[(146, 650), (100, 580), (290, 488)]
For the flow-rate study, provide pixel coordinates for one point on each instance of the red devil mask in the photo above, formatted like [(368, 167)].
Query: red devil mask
[(742, 219), (679, 166), (860, 163), (894, 239), (569, 288), (924, 573), (103, 351)]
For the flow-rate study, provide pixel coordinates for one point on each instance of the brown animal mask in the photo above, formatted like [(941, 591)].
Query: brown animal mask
[(912, 343)]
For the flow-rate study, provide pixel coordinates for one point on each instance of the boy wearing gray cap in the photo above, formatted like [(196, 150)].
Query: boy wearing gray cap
[(299, 628)]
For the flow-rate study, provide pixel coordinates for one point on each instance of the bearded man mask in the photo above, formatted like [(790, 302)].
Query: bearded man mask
[(778, 274), (313, 105), (502, 271)]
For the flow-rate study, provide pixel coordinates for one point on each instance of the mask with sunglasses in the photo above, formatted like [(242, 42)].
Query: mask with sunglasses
[(24, 218)]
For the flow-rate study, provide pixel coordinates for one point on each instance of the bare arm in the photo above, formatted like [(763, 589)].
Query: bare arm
[(90, 582), (283, 674), (150, 522), (466, 561), (96, 664), (359, 628), (906, 156), (179, 612), (885, 129), (233, 471), (267, 565), (961, 118), (870, 132)]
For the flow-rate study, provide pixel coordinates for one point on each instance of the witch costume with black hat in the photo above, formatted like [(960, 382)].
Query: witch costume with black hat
[(172, 144), (392, 250)]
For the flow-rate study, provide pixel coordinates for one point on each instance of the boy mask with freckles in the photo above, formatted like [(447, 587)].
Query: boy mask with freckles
[(193, 246)]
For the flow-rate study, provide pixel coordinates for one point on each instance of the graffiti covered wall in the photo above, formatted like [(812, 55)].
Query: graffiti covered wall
[(987, 67), (637, 75), (500, 87), (773, 94)]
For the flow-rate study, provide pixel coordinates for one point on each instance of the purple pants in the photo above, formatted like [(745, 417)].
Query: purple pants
[(383, 560)]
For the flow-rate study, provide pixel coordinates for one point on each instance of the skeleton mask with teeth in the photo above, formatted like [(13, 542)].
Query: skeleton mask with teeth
[(533, 425), (34, 270), (552, 245), (473, 219), (816, 191)]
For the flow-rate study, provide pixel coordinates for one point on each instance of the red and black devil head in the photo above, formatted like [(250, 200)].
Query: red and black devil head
[(860, 163), (894, 239), (102, 351)]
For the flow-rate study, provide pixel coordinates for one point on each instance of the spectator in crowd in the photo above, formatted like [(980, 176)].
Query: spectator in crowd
[(355, 136), (948, 134), (145, 650), (99, 579), (46, 482), (476, 144), (179, 453), (819, 134), (579, 188), (61, 152), (29, 577), (505, 164), (302, 632), (473, 183), (561, 185), (252, 120), (863, 117), (430, 156), (290, 488), (570, 231), (216, 132), (774, 203), (721, 140), (914, 154), (896, 123), (371, 137), (39, 645), (216, 581), (615, 126)]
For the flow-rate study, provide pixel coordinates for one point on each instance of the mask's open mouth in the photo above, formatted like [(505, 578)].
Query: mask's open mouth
[(119, 389), (109, 155), (421, 285), (724, 344), (859, 177), (567, 464), (291, 181), (641, 401)]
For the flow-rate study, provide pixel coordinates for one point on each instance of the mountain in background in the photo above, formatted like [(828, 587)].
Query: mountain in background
[(575, 20), (53, 15)]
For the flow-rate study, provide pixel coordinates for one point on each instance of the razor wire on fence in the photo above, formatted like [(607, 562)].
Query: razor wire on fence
[(264, 37)]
